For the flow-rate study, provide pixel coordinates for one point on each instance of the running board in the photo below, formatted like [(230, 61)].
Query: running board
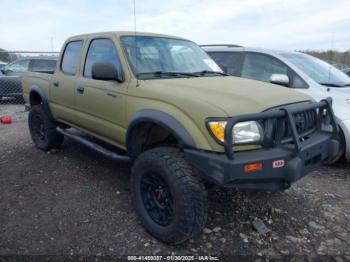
[(93, 146)]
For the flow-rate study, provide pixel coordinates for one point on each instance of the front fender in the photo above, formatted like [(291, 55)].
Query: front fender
[(162, 119)]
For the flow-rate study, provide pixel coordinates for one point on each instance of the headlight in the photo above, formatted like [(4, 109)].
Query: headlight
[(348, 100), (243, 133), (247, 132)]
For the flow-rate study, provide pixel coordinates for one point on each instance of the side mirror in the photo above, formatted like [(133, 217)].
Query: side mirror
[(279, 79), (105, 71)]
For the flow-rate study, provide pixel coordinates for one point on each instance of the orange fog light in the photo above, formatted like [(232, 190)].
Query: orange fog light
[(253, 167)]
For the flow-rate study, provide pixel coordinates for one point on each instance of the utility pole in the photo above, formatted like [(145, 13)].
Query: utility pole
[(51, 44)]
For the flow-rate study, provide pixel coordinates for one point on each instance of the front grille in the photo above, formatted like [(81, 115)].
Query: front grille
[(278, 131), (305, 123)]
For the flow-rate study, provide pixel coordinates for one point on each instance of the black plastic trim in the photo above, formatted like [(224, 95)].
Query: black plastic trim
[(164, 120), (37, 89), (94, 146), (218, 169)]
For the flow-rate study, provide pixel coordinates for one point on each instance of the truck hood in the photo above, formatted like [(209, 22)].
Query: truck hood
[(233, 95)]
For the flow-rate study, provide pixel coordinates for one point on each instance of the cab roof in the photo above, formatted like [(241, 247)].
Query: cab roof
[(237, 48), (124, 33)]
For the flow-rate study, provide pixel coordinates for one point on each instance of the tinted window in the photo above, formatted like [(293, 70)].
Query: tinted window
[(18, 66), (230, 62), (261, 67), (71, 57), (101, 50), (43, 65)]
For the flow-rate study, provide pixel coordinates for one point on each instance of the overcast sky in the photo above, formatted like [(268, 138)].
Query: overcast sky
[(278, 24)]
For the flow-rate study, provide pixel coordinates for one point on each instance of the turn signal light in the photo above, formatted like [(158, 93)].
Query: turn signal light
[(253, 167), (218, 129)]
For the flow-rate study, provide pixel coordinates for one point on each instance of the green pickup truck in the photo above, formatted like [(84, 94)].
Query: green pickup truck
[(180, 120)]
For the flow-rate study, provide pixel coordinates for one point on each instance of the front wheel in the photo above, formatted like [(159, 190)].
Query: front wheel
[(170, 199)]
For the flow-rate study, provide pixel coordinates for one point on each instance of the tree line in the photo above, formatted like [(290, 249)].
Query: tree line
[(7, 57), (342, 59)]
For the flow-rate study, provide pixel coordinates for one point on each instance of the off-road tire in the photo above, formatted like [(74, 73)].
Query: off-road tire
[(187, 190), (49, 137)]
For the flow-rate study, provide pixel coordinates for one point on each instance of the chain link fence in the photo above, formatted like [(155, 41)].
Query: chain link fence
[(12, 66)]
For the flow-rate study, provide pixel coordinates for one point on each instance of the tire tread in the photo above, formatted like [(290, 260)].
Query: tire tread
[(193, 197)]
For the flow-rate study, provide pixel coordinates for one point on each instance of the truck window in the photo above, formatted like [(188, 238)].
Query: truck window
[(261, 67), (229, 62), (101, 50), (43, 65), (71, 57)]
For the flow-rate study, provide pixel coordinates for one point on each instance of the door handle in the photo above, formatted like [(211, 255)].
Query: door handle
[(111, 95), (56, 83), (80, 89)]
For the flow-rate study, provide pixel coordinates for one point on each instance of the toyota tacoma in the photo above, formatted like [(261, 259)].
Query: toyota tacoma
[(180, 121)]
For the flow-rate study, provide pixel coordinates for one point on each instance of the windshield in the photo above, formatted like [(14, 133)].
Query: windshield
[(321, 72), (158, 57)]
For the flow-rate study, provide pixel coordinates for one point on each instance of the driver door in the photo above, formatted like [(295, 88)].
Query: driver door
[(101, 104)]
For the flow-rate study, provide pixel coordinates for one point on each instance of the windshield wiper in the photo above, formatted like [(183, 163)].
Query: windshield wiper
[(330, 84), (208, 72), (167, 73)]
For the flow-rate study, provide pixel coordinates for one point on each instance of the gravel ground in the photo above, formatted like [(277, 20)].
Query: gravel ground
[(75, 202)]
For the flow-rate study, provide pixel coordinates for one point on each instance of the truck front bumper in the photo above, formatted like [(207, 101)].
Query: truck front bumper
[(279, 165), (220, 170)]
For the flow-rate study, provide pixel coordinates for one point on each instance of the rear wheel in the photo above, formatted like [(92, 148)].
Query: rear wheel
[(170, 199), (43, 129)]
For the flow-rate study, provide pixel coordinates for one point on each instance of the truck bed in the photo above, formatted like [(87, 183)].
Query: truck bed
[(30, 79)]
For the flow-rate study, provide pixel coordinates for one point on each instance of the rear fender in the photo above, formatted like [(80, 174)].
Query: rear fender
[(37, 90)]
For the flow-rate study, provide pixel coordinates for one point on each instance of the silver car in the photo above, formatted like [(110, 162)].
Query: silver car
[(347, 71), (296, 70)]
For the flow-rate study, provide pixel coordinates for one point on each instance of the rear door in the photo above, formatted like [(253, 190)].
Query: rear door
[(101, 104), (64, 82), (229, 62)]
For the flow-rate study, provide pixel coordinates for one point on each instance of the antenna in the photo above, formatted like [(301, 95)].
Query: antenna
[(331, 58), (135, 44)]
